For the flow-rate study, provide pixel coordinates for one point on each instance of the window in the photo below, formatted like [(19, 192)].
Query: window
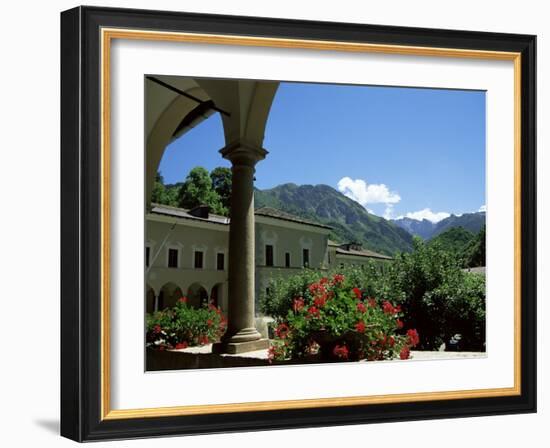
[(287, 259), (147, 254), (305, 257), (269, 255), (198, 260), (220, 262), (172, 258)]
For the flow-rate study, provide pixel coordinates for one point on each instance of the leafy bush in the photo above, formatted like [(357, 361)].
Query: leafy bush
[(335, 320), (183, 326), (436, 296)]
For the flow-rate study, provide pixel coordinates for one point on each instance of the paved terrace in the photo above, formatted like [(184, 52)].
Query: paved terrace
[(202, 357)]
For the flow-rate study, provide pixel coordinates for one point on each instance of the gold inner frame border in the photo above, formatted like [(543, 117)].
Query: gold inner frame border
[(107, 35)]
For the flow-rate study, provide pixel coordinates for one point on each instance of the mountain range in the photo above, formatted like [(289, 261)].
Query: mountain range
[(425, 229), (349, 220)]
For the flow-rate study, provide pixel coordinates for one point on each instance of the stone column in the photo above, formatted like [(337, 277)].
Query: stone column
[(242, 335), (156, 303)]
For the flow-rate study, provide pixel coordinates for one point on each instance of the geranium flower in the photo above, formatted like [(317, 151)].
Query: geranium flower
[(340, 351), (357, 292), (360, 326), (182, 299), (323, 281), (181, 345), (405, 353), (157, 329), (209, 322), (316, 288), (282, 331), (414, 339), (361, 307), (313, 311), (320, 301), (372, 302), (388, 307), (298, 304), (399, 324), (338, 278)]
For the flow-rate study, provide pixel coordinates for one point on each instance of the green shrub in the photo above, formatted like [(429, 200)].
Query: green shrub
[(182, 326), (436, 296), (332, 319)]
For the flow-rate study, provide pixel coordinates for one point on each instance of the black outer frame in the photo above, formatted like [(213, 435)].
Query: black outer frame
[(80, 223)]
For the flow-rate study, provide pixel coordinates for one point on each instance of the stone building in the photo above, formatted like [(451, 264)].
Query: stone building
[(186, 253)]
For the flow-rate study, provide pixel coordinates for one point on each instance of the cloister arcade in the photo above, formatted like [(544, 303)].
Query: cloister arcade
[(173, 106)]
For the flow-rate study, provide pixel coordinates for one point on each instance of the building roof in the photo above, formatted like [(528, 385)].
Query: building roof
[(184, 214), (343, 249), (362, 253), (278, 214), (176, 212)]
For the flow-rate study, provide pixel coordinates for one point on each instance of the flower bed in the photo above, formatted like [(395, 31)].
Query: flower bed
[(336, 321), (184, 326)]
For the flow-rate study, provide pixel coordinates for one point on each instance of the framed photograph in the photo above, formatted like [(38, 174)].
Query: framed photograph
[(274, 223)]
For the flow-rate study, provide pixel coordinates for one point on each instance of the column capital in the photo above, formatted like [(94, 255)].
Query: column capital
[(241, 152)]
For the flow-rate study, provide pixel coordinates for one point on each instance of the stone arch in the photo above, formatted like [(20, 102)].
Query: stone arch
[(246, 105), (161, 132), (169, 295), (149, 299), (197, 295), (217, 295)]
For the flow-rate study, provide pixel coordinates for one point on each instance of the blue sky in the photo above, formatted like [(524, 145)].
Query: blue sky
[(397, 151)]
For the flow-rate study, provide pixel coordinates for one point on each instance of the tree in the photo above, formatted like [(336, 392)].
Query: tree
[(222, 179), (474, 253), (197, 190), (162, 194)]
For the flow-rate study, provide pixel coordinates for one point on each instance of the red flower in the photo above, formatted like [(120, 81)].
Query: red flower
[(320, 301), (360, 326), (399, 324), (338, 278), (391, 341), (298, 304), (388, 308), (372, 302), (214, 308), (357, 292), (313, 311), (361, 307), (316, 288), (209, 322), (414, 339), (405, 353), (182, 299), (323, 281), (157, 329), (282, 331), (340, 351), (203, 340), (271, 353), (181, 345)]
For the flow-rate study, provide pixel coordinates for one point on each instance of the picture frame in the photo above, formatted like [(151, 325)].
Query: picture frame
[(86, 37)]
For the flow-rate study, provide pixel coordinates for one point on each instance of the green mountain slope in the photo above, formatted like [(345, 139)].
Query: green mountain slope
[(453, 240), (349, 220)]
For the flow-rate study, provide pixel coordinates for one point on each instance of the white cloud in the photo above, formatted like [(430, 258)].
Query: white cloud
[(483, 208), (428, 214), (364, 193)]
